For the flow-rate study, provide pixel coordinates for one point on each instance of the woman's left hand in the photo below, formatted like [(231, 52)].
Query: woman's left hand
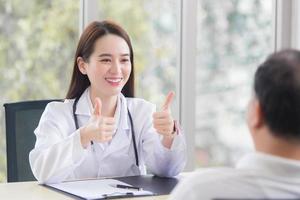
[(163, 121)]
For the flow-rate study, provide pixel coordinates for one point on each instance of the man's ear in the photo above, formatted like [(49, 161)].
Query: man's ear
[(81, 65), (255, 114)]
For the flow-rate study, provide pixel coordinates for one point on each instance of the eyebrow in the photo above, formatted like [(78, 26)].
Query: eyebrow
[(109, 55)]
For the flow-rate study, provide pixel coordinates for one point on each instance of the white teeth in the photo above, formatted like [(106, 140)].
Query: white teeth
[(116, 80)]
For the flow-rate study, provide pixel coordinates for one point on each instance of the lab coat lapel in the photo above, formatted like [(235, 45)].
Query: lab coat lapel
[(84, 105), (122, 138)]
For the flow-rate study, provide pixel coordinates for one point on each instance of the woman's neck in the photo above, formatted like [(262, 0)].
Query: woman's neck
[(109, 103)]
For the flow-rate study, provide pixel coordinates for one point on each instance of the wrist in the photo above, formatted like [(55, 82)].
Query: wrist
[(84, 138), (167, 141)]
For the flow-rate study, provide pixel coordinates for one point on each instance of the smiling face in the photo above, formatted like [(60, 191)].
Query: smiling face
[(109, 67)]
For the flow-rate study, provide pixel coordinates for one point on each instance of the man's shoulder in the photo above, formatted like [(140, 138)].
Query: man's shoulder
[(217, 174), (219, 177), (214, 183)]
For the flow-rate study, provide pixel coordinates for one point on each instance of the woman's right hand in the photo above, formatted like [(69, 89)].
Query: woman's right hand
[(99, 128)]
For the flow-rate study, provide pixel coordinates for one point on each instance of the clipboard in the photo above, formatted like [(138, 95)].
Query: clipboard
[(99, 189), (157, 185)]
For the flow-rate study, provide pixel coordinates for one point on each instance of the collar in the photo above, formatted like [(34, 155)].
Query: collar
[(85, 107), (123, 112), (270, 164), (84, 104)]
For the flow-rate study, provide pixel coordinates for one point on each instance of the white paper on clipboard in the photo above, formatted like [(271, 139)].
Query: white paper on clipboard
[(98, 188)]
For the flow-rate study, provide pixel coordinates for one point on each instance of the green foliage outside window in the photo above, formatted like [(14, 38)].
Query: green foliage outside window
[(37, 44)]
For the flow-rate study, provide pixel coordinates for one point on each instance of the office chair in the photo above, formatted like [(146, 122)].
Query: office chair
[(21, 118)]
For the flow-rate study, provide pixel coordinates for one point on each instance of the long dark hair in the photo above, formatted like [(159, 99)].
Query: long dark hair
[(86, 44)]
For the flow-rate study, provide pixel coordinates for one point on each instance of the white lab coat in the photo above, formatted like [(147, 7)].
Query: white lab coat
[(58, 154)]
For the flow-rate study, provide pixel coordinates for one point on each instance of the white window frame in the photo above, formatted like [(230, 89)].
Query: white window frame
[(287, 24), (88, 12), (186, 80)]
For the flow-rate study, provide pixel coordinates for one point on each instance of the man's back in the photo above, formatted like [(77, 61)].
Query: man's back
[(256, 176)]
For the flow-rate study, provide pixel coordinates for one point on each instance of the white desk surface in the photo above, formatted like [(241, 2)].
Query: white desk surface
[(31, 190)]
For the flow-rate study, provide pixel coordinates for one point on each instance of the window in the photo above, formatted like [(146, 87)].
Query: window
[(234, 36), (154, 40), (37, 45)]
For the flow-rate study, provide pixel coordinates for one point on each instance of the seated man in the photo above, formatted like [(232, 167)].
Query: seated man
[(273, 172)]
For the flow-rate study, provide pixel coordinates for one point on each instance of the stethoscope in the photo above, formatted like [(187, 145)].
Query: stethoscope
[(131, 124)]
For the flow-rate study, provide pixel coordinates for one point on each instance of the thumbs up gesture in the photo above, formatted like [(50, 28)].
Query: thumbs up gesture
[(162, 120), (99, 128)]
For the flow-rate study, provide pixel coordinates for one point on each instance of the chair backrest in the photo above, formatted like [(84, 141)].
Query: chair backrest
[(21, 118)]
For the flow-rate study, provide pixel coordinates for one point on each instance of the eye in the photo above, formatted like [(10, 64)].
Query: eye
[(105, 60), (124, 60)]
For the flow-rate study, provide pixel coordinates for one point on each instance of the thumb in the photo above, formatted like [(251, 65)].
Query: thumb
[(168, 101), (98, 106)]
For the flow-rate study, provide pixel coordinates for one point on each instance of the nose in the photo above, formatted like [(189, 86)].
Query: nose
[(115, 67)]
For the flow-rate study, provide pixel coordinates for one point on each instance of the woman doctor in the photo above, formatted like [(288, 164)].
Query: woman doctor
[(100, 130)]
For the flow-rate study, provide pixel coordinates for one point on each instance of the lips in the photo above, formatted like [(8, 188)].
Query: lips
[(114, 81)]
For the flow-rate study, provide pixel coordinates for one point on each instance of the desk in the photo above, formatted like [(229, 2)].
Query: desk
[(32, 190)]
